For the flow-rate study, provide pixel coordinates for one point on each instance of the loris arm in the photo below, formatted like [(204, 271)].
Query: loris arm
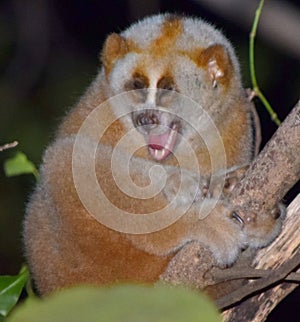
[(256, 232)]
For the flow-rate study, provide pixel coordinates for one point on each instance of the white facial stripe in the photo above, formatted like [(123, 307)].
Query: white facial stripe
[(151, 98)]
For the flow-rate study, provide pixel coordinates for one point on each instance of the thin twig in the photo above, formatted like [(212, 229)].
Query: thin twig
[(256, 89), (272, 278), (8, 146), (235, 273)]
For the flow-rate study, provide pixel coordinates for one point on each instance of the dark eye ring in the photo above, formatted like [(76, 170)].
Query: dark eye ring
[(138, 84), (170, 88)]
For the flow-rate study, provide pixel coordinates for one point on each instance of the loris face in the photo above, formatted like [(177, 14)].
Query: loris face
[(164, 67), (154, 111)]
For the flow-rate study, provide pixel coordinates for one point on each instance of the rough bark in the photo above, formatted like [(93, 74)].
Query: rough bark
[(269, 178), (275, 170)]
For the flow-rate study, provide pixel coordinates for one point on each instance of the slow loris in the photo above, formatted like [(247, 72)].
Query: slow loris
[(168, 98)]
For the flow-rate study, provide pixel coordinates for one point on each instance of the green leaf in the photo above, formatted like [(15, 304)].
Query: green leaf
[(125, 303), (19, 164), (10, 290)]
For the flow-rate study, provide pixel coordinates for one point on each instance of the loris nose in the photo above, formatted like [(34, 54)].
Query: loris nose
[(147, 119)]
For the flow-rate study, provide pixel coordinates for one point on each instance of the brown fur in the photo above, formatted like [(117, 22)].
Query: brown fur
[(64, 244)]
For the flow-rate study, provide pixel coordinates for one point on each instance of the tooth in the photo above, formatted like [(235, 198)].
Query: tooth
[(159, 154), (170, 138)]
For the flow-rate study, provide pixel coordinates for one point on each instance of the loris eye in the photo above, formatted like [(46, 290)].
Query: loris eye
[(137, 82), (166, 83), (166, 88)]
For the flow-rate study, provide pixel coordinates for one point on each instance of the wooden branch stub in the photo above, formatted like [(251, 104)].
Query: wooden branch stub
[(189, 267)]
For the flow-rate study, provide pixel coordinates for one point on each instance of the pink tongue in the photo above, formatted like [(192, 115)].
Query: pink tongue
[(160, 146), (158, 142)]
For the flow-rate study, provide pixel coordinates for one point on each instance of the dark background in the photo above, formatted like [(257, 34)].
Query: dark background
[(49, 54)]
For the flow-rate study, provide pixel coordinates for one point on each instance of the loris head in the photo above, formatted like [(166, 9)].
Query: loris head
[(161, 56)]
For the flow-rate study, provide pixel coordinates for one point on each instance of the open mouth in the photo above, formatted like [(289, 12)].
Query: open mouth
[(161, 145)]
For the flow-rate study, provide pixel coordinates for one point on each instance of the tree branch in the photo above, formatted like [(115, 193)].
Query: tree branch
[(233, 273), (257, 308), (275, 170), (273, 277), (269, 178)]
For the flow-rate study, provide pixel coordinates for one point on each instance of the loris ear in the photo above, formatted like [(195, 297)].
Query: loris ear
[(114, 48), (216, 60)]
